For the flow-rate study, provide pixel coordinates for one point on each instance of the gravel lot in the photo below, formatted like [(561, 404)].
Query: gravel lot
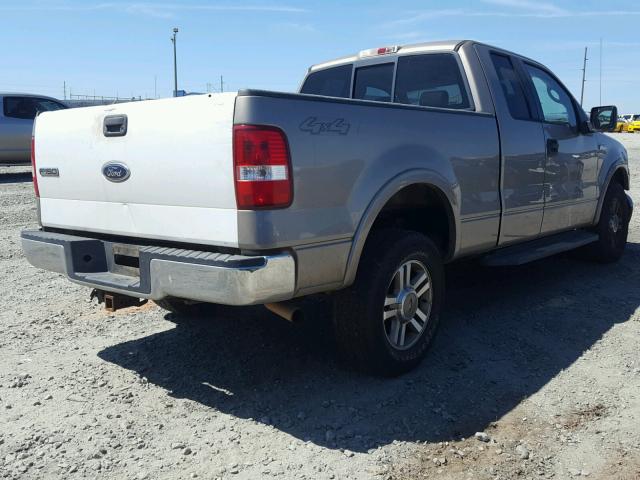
[(542, 360)]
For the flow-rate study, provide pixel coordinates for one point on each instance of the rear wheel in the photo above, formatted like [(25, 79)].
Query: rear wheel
[(385, 322), (613, 227)]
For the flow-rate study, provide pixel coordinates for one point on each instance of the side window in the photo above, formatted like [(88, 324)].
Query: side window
[(430, 80), (331, 82), (20, 107), (46, 105), (512, 87), (374, 83), (555, 102)]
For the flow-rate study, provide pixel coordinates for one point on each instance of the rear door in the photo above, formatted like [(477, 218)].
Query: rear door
[(571, 172), (522, 146)]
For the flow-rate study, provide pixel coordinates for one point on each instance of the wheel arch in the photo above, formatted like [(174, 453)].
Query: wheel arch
[(619, 172), (448, 200)]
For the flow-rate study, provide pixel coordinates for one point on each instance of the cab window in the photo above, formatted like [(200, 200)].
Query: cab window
[(330, 82), (430, 80), (555, 102), (374, 83), (512, 87)]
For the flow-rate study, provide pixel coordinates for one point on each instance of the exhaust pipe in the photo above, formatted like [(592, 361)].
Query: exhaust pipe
[(290, 311)]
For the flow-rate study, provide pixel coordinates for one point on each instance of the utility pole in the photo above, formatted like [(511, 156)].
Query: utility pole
[(175, 63), (64, 89), (155, 86), (600, 103), (221, 85), (584, 70), (208, 87)]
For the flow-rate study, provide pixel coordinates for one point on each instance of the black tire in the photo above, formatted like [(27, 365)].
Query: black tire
[(184, 308), (363, 337), (612, 228)]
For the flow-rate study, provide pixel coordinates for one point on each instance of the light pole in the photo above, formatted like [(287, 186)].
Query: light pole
[(175, 63), (584, 73)]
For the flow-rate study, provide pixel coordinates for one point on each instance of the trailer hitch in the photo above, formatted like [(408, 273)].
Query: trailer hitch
[(116, 301)]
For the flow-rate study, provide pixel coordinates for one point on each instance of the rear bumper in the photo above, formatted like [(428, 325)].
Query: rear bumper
[(164, 272)]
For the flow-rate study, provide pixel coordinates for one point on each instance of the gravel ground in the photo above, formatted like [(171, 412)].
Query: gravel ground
[(535, 374)]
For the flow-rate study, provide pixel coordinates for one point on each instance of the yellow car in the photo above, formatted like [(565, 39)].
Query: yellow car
[(634, 124), (622, 124)]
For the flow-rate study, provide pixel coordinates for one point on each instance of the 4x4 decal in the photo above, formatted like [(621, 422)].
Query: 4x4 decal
[(314, 127)]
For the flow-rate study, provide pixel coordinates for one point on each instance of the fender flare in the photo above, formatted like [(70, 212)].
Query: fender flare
[(450, 193), (618, 165)]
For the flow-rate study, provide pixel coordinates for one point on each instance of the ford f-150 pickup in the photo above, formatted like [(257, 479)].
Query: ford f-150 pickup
[(385, 166)]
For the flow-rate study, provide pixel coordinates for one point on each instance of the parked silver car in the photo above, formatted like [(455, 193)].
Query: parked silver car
[(16, 123)]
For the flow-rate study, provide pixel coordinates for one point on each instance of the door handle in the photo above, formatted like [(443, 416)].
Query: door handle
[(552, 146)]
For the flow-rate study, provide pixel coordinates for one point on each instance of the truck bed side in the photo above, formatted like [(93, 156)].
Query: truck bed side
[(350, 156)]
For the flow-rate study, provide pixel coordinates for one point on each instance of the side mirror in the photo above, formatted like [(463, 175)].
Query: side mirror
[(604, 119)]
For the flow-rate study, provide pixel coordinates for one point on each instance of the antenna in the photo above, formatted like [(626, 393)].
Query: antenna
[(584, 71)]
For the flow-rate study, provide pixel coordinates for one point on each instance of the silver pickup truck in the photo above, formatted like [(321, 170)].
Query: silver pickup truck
[(387, 165)]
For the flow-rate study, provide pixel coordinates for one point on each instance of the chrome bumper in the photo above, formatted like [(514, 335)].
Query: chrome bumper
[(164, 272)]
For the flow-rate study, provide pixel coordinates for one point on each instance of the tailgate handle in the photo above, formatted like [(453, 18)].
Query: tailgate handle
[(115, 126)]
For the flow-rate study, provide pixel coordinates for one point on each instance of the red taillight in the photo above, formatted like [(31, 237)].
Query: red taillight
[(33, 166), (261, 167)]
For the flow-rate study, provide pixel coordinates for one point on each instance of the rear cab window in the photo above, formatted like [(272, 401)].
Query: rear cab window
[(433, 79), (330, 82), (374, 82), (430, 80)]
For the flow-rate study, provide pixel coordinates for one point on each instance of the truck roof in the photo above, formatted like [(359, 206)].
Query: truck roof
[(413, 48), (443, 45)]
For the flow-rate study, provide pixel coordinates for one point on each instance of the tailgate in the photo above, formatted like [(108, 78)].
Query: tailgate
[(170, 176)]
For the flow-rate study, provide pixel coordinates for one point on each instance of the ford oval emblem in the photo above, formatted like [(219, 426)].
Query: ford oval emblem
[(116, 172)]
